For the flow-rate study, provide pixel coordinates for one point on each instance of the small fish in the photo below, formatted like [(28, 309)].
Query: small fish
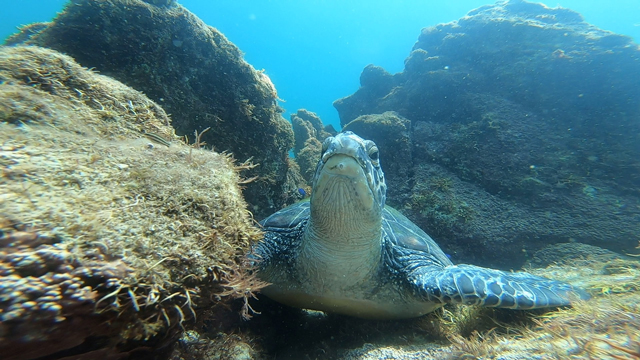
[(302, 192), (157, 138)]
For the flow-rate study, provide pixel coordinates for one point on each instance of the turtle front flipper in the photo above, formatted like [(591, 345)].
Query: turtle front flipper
[(473, 285)]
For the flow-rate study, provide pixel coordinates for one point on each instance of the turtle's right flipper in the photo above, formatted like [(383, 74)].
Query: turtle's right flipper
[(473, 285)]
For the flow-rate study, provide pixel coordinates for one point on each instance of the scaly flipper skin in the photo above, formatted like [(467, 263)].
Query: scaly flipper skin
[(473, 285)]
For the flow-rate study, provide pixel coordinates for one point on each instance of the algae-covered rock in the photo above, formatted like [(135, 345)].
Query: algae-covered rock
[(307, 159), (114, 235), (309, 133), (194, 72), (540, 57), (306, 125), (524, 107), (570, 252)]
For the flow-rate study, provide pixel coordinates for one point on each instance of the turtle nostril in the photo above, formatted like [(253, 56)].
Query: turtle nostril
[(343, 165)]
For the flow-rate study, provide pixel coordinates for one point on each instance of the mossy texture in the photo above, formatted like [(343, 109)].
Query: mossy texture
[(604, 327), (194, 72), (309, 134), (110, 244)]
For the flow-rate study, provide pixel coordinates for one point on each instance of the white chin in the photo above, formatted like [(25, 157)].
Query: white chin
[(343, 193), (343, 184)]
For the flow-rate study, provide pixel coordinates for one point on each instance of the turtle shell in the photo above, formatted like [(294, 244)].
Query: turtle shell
[(289, 217), (402, 232), (397, 228)]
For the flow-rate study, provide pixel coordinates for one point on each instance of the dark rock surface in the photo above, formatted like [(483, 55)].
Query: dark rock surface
[(193, 72), (524, 124)]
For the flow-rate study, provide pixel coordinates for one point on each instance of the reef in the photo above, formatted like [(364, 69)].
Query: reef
[(522, 130), (116, 236), (193, 72)]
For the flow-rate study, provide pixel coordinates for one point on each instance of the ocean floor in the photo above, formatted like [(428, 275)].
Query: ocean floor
[(604, 327)]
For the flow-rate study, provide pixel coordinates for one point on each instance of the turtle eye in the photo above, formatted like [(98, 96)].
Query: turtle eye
[(326, 143), (372, 150), (373, 153)]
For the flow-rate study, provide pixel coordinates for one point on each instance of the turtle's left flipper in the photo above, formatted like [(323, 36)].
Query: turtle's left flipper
[(473, 285)]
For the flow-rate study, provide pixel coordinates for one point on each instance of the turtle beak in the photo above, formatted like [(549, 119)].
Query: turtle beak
[(343, 176)]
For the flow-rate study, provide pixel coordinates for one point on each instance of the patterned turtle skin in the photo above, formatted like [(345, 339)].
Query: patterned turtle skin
[(343, 251)]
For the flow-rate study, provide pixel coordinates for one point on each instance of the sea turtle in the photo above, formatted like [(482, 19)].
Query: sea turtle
[(343, 251)]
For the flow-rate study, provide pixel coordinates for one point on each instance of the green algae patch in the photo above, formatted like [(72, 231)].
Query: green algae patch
[(111, 243)]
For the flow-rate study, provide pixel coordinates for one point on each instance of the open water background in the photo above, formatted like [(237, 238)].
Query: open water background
[(314, 50)]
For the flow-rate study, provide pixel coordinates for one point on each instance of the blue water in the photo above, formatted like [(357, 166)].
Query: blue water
[(314, 50)]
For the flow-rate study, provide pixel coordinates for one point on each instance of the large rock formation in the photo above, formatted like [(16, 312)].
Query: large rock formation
[(193, 72), (524, 132), (114, 235)]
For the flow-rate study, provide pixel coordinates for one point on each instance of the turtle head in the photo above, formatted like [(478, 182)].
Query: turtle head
[(349, 177)]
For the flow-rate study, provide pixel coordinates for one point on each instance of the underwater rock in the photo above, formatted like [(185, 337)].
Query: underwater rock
[(567, 253), (114, 235), (541, 193), (307, 159), (539, 57), (194, 72), (526, 106), (307, 124), (309, 133), (375, 83)]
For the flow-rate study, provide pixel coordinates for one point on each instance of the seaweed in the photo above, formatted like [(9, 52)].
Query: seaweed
[(104, 235)]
